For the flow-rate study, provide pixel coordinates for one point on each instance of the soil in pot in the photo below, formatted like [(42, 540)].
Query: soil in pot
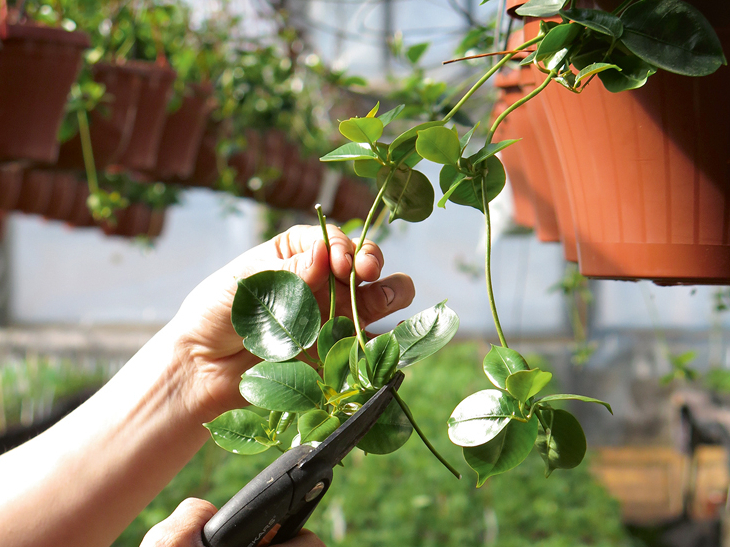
[(37, 67), (155, 92)]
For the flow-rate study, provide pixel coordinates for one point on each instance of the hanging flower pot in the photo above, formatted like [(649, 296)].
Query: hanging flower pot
[(183, 133), (111, 123), (205, 172), (80, 216), (352, 200), (37, 67), (63, 196), (36, 192), (537, 169), (650, 190), (154, 94), (11, 184)]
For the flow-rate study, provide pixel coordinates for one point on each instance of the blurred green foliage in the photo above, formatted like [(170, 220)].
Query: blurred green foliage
[(409, 499)]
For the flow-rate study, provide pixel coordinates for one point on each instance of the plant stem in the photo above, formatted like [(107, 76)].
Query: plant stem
[(407, 412), (323, 225), (488, 267), (353, 275), (87, 151), (518, 104), (488, 75)]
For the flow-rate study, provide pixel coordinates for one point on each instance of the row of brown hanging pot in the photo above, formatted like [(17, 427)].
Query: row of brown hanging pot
[(641, 188)]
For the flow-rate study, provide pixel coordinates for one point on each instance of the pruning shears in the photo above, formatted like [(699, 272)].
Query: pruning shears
[(287, 491)]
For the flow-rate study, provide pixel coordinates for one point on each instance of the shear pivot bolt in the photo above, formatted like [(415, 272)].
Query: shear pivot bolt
[(315, 492)]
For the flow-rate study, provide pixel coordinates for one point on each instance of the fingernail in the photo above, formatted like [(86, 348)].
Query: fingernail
[(348, 257), (373, 258), (389, 294), (310, 258)]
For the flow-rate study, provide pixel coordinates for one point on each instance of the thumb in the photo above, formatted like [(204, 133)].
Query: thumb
[(312, 265), (183, 528)]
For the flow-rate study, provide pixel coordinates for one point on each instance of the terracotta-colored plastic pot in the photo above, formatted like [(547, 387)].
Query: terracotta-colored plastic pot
[(511, 7), (155, 91), (653, 196), (182, 135), (353, 199), (37, 191), (63, 197), (11, 184), (37, 67), (536, 166), (111, 123)]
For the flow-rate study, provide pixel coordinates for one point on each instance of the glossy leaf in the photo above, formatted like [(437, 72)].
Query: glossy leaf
[(672, 35), (236, 431), (481, 416), (391, 115), (409, 194), (367, 168), (460, 178), (469, 192), (416, 51), (439, 145), (357, 364), (316, 425), (382, 354), (286, 387), (598, 20), (411, 134), (389, 433), (540, 8), (524, 384), (558, 39), (490, 150), (570, 397), (563, 444), (276, 314), (466, 138), (337, 364), (285, 421), (593, 69), (633, 74), (506, 451), (362, 129), (351, 151), (332, 331), (500, 362), (373, 112), (425, 333)]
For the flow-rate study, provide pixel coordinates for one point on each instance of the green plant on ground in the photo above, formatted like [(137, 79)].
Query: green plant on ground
[(498, 426)]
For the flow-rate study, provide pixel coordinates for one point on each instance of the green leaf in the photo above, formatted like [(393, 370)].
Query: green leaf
[(391, 115), (558, 39), (524, 384), (415, 52), (332, 331), (316, 425), (563, 444), (351, 151), (464, 141), (285, 421), (236, 431), (633, 74), (367, 168), (595, 68), (425, 333), (490, 150), (506, 451), (500, 362), (460, 177), (439, 145), (540, 8), (409, 195), (358, 366), (469, 192), (481, 416), (286, 387), (529, 59), (362, 129), (276, 314), (337, 364), (672, 35), (382, 354), (600, 21), (412, 133), (389, 433), (569, 397), (374, 110)]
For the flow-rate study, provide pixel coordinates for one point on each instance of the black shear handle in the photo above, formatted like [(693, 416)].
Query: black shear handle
[(282, 494)]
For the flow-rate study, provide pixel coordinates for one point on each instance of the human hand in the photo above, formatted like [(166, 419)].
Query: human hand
[(184, 528), (212, 350)]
